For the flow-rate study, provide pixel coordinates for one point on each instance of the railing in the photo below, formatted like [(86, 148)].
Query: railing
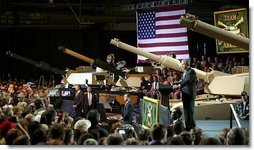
[(41, 82), (233, 113), (51, 81)]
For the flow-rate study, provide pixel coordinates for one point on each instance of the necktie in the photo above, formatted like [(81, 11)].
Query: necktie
[(244, 107)]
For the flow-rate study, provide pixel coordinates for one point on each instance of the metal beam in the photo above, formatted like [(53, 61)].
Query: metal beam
[(156, 4)]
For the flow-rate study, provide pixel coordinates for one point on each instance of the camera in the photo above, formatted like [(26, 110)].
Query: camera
[(125, 133), (121, 131)]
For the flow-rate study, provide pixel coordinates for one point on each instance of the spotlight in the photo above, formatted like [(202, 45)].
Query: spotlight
[(51, 2)]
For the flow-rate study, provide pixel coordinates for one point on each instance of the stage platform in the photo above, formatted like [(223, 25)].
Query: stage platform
[(211, 115), (212, 128), (209, 109)]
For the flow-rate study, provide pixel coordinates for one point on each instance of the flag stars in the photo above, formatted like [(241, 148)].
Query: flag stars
[(146, 25)]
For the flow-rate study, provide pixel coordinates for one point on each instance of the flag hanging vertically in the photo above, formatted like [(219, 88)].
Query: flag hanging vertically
[(159, 32)]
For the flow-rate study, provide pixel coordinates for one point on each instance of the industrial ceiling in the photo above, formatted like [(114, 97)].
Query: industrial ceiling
[(110, 14)]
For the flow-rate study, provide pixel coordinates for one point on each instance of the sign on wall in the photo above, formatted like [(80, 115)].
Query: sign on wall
[(234, 21)]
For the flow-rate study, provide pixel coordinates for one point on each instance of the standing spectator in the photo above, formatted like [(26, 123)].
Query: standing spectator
[(209, 61), (127, 110), (143, 85), (78, 101), (165, 74), (242, 106), (153, 91), (149, 83), (235, 62), (243, 62), (90, 100), (203, 61), (176, 93), (194, 62), (188, 87)]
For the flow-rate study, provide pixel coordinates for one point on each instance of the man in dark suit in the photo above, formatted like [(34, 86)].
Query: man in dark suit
[(78, 101), (90, 100), (188, 88), (127, 110)]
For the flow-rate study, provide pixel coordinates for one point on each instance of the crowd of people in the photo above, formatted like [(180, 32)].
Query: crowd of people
[(27, 112), (23, 120)]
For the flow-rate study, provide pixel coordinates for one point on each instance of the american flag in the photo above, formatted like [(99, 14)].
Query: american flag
[(159, 32)]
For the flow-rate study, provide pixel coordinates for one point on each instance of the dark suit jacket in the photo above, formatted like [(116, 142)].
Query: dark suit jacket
[(127, 112), (78, 101), (188, 84), (93, 105)]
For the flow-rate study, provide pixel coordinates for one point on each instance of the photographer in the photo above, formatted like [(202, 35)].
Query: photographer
[(242, 106), (127, 131)]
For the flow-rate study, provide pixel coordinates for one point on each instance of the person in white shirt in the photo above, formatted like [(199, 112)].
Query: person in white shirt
[(90, 100)]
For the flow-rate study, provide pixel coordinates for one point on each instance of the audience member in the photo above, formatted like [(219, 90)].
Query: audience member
[(90, 141), (210, 141), (242, 106), (158, 134), (114, 139), (93, 116), (236, 136), (187, 138)]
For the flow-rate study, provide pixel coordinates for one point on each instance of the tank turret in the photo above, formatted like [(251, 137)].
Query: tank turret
[(95, 62), (216, 82)]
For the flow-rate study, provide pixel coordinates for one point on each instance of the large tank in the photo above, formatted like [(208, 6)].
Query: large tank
[(216, 82), (124, 79), (95, 62)]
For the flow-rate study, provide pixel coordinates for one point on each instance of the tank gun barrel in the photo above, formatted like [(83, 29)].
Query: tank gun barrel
[(196, 25), (96, 62), (167, 61), (11, 54), (214, 80), (75, 54), (41, 64)]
